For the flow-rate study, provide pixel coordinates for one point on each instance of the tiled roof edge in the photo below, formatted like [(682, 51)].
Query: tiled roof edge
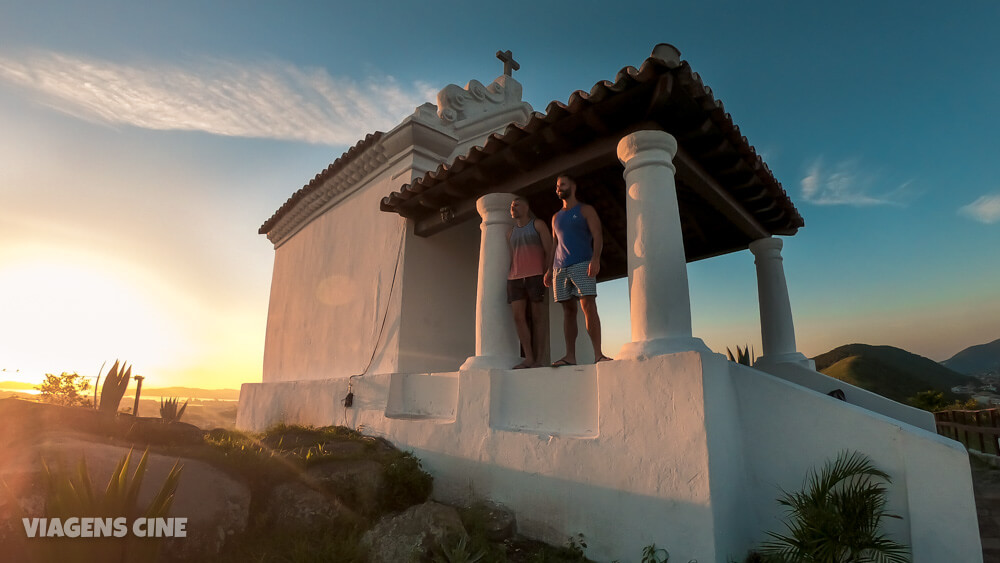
[(309, 193)]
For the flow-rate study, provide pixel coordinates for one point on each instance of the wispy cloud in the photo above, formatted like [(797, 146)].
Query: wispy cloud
[(986, 209), (848, 183), (273, 100)]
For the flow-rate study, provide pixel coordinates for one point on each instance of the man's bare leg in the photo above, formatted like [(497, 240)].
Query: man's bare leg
[(589, 305), (538, 329), (519, 308), (569, 330)]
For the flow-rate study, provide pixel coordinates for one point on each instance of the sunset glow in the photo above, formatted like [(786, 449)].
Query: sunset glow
[(74, 312), (140, 151)]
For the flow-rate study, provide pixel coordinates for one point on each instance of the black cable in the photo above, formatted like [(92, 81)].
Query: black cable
[(388, 302), (349, 398)]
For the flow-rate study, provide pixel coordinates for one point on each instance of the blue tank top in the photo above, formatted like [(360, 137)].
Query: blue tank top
[(575, 242)]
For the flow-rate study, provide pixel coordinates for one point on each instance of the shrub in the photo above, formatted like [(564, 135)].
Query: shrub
[(934, 401), (406, 483), (66, 389), (837, 517)]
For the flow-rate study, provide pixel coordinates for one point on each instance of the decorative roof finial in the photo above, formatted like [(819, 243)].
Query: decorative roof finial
[(667, 53), (509, 64)]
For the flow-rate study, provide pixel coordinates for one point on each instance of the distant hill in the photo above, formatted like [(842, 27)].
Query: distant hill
[(17, 385), (889, 371), (976, 360), (186, 392), (180, 392)]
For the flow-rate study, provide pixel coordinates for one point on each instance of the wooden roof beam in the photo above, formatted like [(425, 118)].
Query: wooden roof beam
[(714, 194), (466, 209)]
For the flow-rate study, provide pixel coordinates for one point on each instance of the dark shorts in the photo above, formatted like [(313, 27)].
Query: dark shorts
[(531, 288)]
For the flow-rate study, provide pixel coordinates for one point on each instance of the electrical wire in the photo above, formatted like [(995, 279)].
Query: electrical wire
[(349, 398)]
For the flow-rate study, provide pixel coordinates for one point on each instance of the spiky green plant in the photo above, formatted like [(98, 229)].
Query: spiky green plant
[(456, 548), (115, 384), (169, 411), (653, 554), (743, 356), (837, 517), (97, 384), (71, 495)]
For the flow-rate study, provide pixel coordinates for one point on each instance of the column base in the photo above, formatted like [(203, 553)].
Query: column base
[(660, 347), (490, 362), (789, 358)]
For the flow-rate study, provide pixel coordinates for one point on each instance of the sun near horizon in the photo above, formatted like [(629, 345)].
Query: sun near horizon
[(79, 312)]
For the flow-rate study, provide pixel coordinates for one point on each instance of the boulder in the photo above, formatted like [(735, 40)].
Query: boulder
[(412, 533), (146, 430), (499, 522), (298, 505), (356, 482)]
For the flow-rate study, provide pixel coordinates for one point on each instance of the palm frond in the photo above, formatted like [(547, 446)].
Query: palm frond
[(837, 516)]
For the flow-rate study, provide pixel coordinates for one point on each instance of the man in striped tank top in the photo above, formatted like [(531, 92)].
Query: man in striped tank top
[(530, 252), (577, 240)]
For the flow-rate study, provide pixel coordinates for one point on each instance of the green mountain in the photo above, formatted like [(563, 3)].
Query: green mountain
[(976, 360), (889, 371)]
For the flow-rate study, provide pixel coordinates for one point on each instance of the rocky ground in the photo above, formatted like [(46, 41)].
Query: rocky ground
[(291, 494)]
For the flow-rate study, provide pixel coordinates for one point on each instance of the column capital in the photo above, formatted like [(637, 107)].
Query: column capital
[(495, 208), (767, 245), (650, 146)]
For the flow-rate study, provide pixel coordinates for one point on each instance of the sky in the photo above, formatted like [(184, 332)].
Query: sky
[(142, 144)]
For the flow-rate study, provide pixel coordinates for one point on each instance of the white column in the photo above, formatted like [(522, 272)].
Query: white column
[(776, 329), (496, 338), (660, 303)]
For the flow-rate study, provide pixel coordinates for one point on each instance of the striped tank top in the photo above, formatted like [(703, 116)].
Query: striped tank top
[(527, 253)]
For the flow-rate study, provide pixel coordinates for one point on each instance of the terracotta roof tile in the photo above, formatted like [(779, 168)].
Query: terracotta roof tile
[(309, 189)]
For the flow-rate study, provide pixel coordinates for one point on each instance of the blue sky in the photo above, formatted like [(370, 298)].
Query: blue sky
[(142, 145)]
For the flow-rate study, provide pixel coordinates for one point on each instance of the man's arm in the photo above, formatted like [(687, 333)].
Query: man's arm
[(594, 224), (550, 253), (546, 238)]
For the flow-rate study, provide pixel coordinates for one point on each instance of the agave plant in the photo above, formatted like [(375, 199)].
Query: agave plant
[(743, 356), (70, 494), (115, 384), (456, 549), (169, 411), (837, 517)]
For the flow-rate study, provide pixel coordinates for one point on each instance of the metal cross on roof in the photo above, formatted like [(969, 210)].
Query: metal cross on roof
[(509, 64)]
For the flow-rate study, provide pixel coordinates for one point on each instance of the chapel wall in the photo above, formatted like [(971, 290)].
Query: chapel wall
[(789, 430), (437, 330), (331, 288), (691, 451)]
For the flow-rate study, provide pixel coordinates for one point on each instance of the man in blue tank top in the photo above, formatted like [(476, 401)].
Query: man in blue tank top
[(577, 240)]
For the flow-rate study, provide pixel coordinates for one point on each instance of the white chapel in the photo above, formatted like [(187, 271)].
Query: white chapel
[(389, 276)]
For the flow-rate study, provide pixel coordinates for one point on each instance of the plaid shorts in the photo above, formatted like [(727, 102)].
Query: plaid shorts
[(573, 281)]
